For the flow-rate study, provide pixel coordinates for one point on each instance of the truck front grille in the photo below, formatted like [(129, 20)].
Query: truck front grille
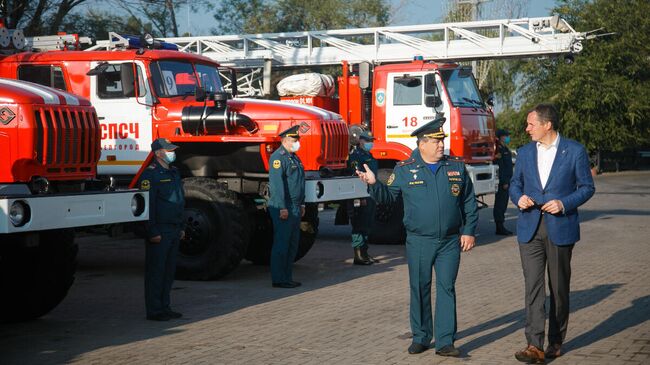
[(67, 138), (334, 143)]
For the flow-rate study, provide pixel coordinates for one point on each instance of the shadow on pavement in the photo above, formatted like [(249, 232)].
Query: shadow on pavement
[(634, 315), (516, 320)]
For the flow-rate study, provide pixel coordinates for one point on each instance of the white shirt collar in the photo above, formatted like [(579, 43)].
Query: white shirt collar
[(552, 145)]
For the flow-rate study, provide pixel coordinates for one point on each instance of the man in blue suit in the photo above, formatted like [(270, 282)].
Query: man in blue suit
[(552, 179)]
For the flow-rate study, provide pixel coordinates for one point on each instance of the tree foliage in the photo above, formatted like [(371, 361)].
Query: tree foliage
[(604, 97), (37, 17), (269, 16)]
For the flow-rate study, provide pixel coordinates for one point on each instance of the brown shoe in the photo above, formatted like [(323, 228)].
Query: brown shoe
[(530, 355), (553, 351)]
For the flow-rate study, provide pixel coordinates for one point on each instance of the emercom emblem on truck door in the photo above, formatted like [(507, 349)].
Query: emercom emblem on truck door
[(125, 121)]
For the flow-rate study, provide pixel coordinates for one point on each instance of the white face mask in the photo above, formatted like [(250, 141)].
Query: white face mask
[(170, 156), (295, 146)]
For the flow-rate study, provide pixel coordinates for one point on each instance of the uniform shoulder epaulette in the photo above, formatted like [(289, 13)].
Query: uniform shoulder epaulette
[(282, 152), (152, 166), (454, 158), (406, 162)]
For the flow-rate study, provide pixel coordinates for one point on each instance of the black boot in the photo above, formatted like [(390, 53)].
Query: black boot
[(501, 230), (359, 259), (365, 255)]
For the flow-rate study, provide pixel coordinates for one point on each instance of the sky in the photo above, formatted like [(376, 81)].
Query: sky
[(408, 12)]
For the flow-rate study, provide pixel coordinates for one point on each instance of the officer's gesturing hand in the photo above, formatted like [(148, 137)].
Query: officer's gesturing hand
[(467, 242), (302, 211), (284, 213), (155, 239), (182, 235), (367, 177)]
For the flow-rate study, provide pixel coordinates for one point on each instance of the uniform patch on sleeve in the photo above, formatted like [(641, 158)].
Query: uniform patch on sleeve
[(276, 164), (391, 178), (145, 185)]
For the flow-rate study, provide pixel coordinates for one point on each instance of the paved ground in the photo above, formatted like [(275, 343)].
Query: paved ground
[(345, 314)]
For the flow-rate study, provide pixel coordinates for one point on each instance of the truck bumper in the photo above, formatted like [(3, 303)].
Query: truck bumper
[(43, 212), (485, 178), (332, 189)]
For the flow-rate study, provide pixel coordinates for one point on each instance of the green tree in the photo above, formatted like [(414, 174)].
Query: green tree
[(267, 16), (604, 97)]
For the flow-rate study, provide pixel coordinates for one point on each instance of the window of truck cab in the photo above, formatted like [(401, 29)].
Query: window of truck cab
[(46, 75), (461, 88), (181, 78), (110, 84)]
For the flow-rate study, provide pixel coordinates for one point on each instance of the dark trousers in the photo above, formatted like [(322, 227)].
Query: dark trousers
[(160, 268), (423, 254), (536, 256), (361, 221), (500, 204), (286, 237)]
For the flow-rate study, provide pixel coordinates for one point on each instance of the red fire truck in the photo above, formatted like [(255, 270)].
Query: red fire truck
[(144, 89), (49, 148)]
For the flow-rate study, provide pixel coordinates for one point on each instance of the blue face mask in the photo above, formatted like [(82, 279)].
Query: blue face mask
[(506, 140), (368, 146), (170, 156)]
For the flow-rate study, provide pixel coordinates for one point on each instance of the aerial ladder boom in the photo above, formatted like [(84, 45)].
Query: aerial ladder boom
[(446, 42)]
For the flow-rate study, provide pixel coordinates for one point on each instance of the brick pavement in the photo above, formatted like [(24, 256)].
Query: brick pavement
[(346, 314)]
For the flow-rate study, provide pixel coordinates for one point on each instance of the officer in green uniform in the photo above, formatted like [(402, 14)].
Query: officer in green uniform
[(363, 215), (504, 160), (440, 216), (286, 206), (165, 229)]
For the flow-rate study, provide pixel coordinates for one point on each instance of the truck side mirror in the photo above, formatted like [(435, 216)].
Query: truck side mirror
[(430, 86), (432, 101), (490, 101), (364, 75), (128, 80), (199, 94)]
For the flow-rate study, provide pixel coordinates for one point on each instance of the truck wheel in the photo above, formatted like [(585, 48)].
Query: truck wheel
[(35, 276), (388, 227), (259, 251), (216, 234)]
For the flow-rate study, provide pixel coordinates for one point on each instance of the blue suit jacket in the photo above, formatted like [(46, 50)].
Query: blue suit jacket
[(570, 181)]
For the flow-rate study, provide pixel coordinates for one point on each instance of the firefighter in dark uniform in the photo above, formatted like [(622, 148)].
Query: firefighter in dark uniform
[(286, 207), (504, 160), (363, 215), (165, 229), (440, 217)]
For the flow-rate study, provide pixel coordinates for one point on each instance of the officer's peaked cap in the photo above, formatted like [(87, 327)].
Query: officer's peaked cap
[(290, 132), (163, 144), (433, 129), (367, 135)]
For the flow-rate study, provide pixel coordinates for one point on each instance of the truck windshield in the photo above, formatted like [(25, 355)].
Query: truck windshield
[(461, 88), (180, 78)]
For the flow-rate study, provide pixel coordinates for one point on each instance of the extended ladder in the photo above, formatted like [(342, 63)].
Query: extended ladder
[(488, 39)]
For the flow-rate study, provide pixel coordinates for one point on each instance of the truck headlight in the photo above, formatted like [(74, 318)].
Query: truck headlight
[(137, 205), (19, 213)]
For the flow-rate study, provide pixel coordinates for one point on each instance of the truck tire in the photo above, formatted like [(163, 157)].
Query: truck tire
[(35, 277), (259, 252), (388, 227), (216, 232)]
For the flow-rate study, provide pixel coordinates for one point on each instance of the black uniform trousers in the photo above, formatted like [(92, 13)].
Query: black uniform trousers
[(160, 268), (500, 203), (536, 256)]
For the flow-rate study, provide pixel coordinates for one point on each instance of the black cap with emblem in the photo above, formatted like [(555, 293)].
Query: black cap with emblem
[(290, 132), (433, 129), (163, 144)]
